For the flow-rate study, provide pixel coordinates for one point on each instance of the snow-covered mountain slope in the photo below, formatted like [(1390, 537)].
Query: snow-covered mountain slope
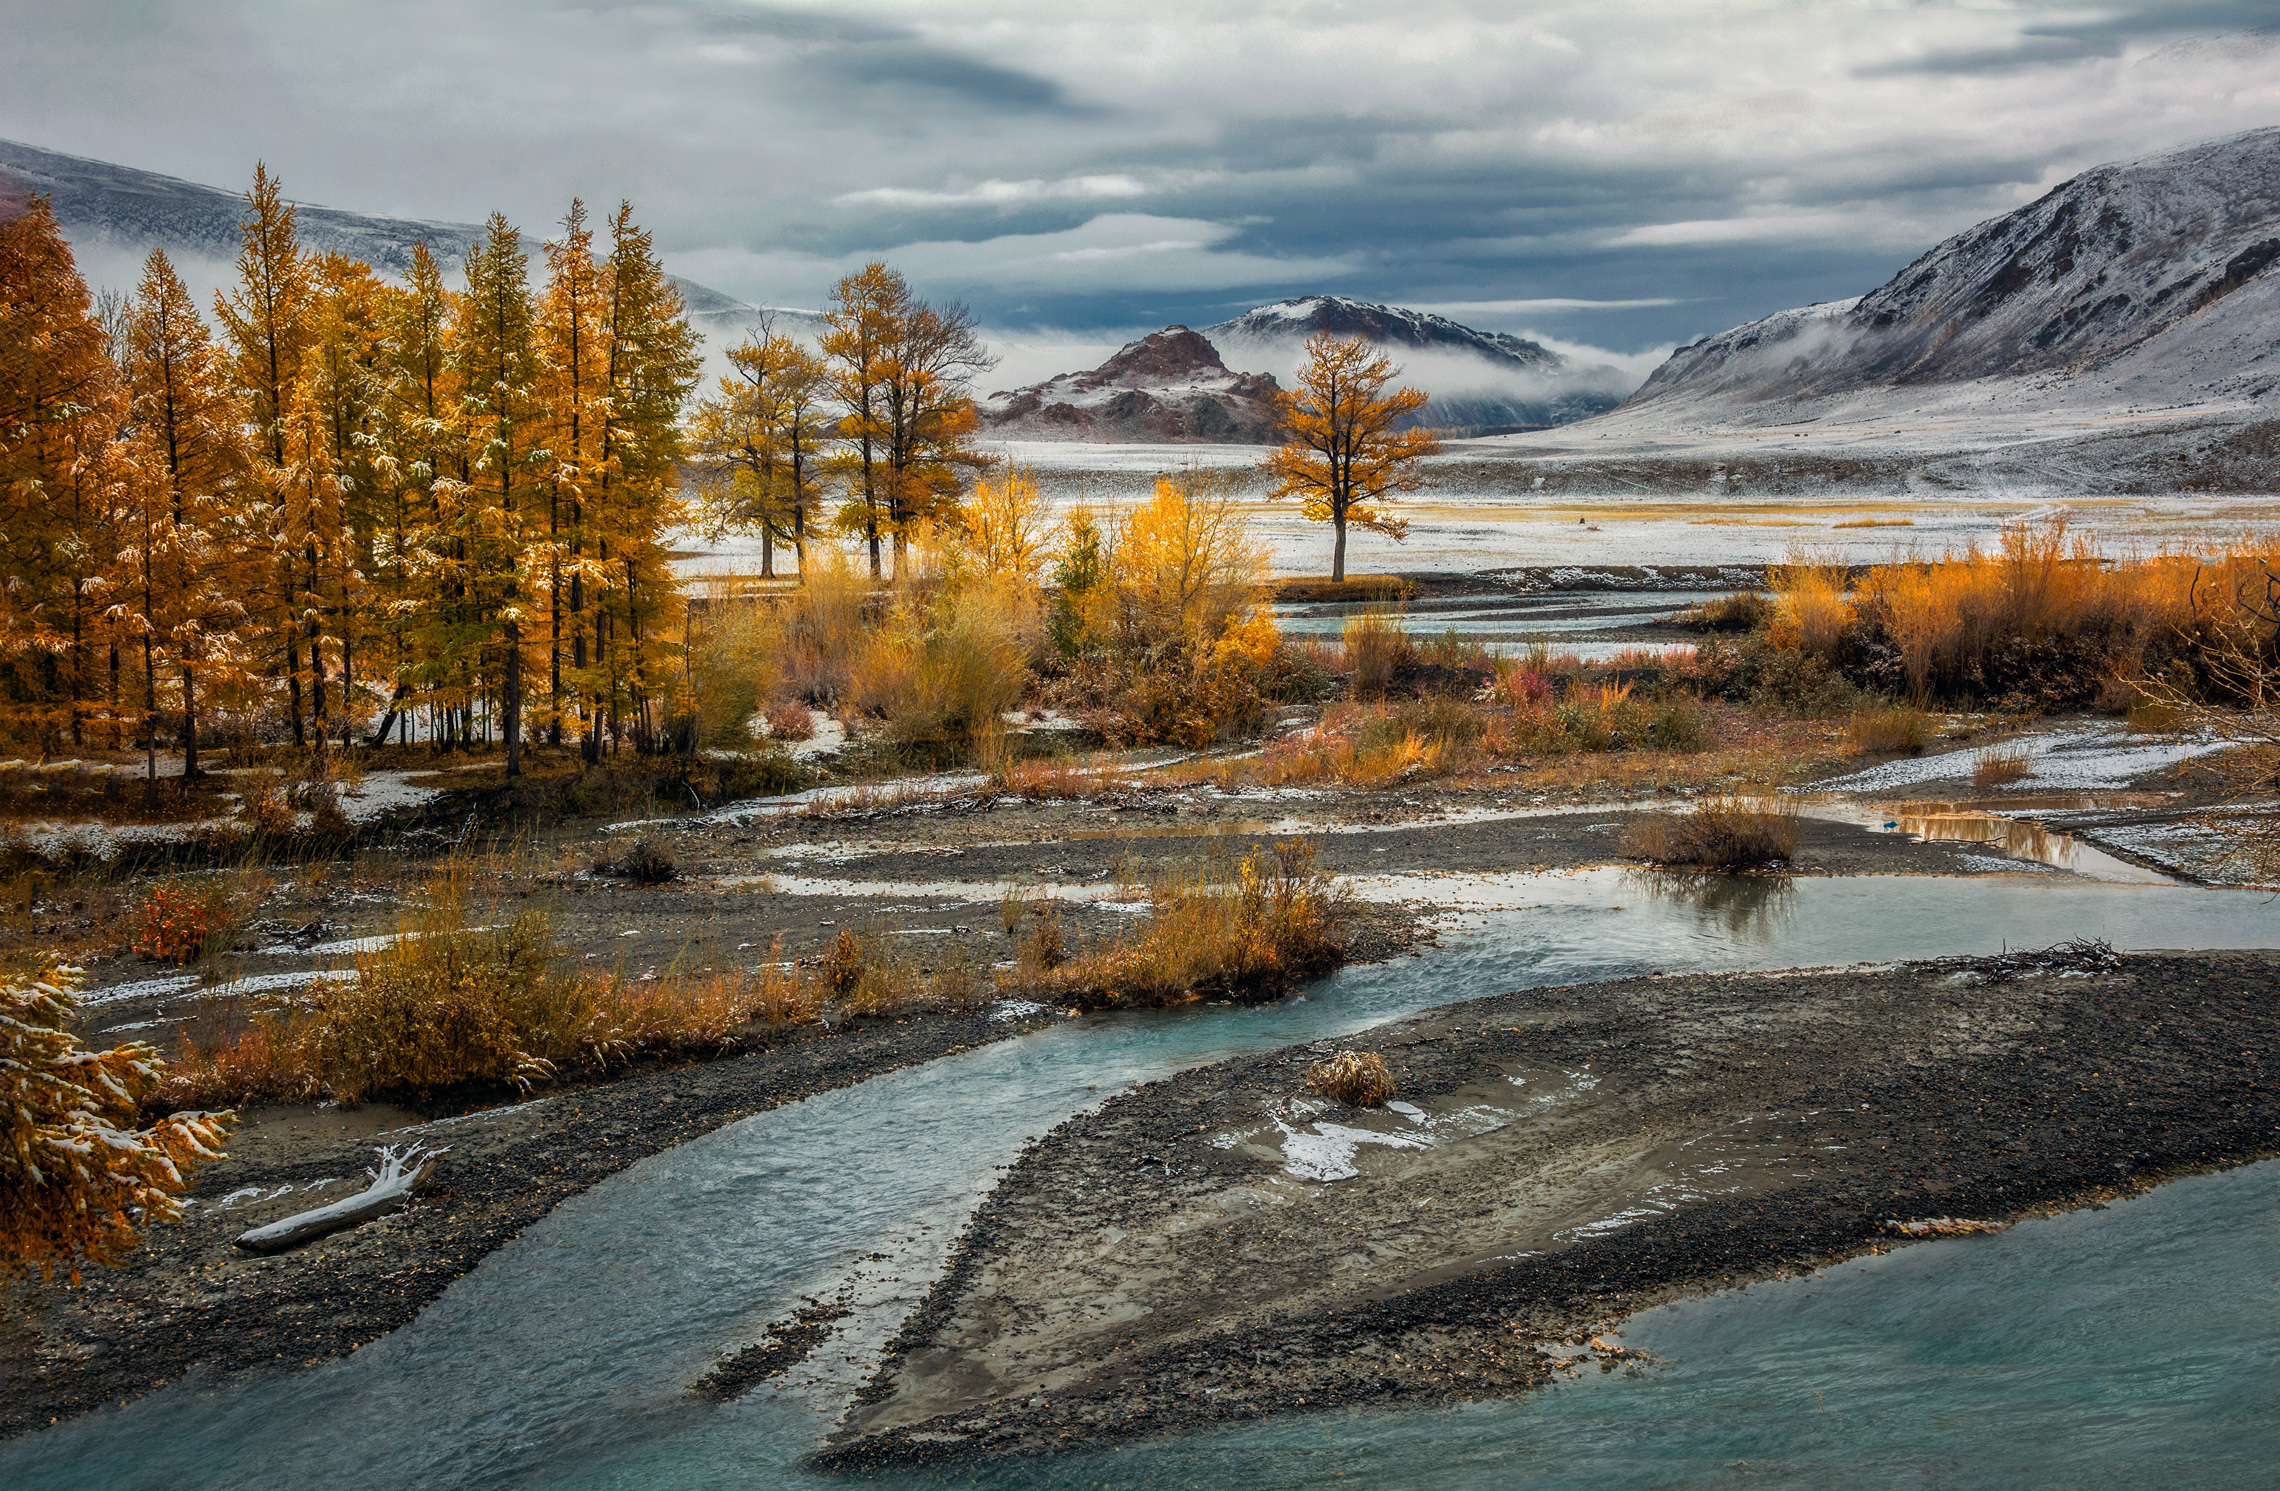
[(2149, 282), (115, 215), (1476, 378), (1168, 386)]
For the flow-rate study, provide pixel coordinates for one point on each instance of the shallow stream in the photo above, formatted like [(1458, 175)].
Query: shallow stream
[(2144, 1332)]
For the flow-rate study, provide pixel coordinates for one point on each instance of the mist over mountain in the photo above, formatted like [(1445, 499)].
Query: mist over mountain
[(1477, 379)]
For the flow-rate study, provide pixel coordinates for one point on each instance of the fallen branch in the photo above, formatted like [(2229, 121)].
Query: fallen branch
[(392, 1185)]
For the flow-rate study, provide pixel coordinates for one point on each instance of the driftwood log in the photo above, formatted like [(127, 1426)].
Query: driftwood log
[(392, 1185)]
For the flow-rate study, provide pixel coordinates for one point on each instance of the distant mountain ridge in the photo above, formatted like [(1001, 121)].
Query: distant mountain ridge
[(2152, 277), (1218, 384), (103, 205)]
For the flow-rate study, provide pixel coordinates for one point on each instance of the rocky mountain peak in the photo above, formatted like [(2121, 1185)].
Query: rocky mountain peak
[(1173, 355)]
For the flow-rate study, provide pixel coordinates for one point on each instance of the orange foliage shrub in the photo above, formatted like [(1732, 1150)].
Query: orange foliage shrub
[(177, 923)]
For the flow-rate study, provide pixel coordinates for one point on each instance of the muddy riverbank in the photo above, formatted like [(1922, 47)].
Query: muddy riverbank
[(1223, 1245)]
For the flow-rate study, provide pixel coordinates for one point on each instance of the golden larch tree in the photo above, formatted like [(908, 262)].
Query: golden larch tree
[(574, 356), (1344, 446), (60, 409), (758, 443), (501, 511), (270, 320), (179, 595), (81, 1174), (862, 324)]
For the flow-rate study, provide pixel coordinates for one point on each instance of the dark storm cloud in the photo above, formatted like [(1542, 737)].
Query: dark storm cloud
[(2056, 43), (1651, 168)]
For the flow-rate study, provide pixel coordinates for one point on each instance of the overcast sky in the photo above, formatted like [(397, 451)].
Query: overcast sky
[(1624, 175)]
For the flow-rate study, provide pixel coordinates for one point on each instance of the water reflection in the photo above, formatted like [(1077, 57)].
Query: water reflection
[(1747, 908)]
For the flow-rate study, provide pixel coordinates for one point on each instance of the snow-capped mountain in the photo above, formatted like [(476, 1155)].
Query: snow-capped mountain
[(2148, 282), (1168, 386), (1475, 378)]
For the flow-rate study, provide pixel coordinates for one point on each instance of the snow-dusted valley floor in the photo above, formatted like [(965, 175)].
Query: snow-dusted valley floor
[(1482, 508)]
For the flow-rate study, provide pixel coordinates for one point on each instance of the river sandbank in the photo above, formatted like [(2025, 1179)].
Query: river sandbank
[(1223, 1245)]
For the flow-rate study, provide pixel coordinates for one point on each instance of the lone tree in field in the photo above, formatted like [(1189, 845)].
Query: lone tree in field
[(1341, 452)]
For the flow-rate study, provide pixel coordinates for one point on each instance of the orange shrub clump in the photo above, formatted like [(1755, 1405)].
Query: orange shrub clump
[(177, 923)]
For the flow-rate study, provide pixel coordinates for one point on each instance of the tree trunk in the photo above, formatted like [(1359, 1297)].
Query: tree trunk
[(293, 684), (513, 701), (150, 718), (189, 723), (1338, 553)]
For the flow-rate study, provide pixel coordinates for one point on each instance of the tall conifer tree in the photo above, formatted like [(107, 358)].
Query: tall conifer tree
[(653, 368), (574, 343), (501, 413), (60, 409), (179, 594), (269, 319)]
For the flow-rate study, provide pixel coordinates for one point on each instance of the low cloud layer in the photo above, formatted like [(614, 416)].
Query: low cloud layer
[(1614, 175)]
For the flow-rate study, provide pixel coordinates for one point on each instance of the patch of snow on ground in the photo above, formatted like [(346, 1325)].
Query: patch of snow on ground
[(2081, 759), (383, 792)]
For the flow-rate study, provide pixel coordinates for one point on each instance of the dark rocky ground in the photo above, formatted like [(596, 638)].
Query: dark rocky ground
[(1155, 1267)]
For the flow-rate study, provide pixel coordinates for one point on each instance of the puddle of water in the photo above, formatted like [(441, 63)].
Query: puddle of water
[(2020, 838)]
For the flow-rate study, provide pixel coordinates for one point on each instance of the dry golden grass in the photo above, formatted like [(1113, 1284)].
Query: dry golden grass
[(1356, 1077), (1377, 650), (1999, 765), (1894, 728), (1722, 833), (2042, 593), (451, 1010)]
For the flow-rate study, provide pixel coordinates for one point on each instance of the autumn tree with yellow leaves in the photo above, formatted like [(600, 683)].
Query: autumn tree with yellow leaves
[(61, 409), (1345, 445), (760, 442), (901, 369), (178, 595)]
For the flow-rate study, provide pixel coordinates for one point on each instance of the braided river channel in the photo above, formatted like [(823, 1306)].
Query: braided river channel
[(2111, 1346)]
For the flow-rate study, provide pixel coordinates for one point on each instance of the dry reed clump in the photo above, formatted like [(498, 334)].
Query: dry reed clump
[(1356, 1077), (947, 665), (1891, 728), (735, 638), (1519, 715), (1999, 766), (1377, 651), (647, 862), (1722, 833), (2042, 621), (1276, 920), (1741, 611), (1056, 778), (1045, 948)]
